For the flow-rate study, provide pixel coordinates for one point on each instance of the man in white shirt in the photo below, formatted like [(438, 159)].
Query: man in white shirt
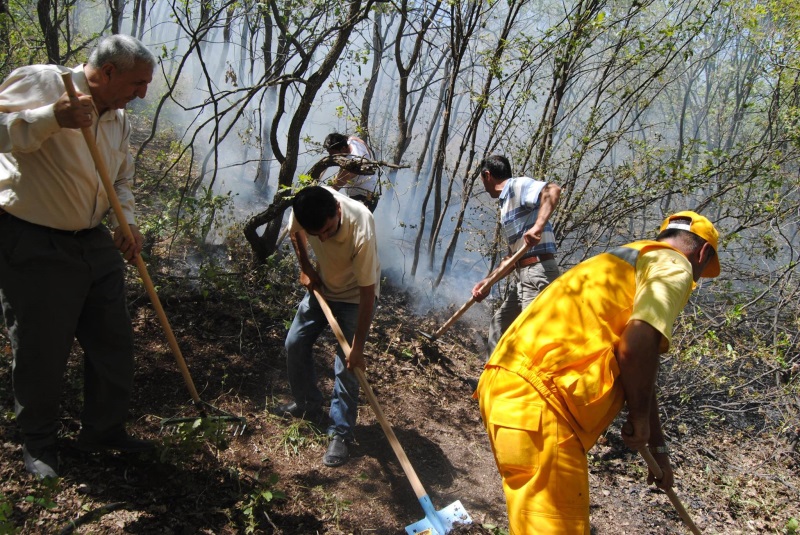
[(341, 232), (61, 271), (363, 188)]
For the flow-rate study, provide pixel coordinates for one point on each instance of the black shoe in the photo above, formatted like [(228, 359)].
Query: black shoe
[(337, 452), (293, 410), (117, 441), (41, 462)]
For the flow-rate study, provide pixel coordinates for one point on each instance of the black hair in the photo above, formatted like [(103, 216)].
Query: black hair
[(313, 206), (689, 238), (497, 165), (334, 141)]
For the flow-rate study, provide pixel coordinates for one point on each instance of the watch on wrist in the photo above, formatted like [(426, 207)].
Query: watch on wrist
[(658, 449)]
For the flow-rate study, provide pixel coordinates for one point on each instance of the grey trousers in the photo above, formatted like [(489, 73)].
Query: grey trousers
[(55, 288), (532, 280)]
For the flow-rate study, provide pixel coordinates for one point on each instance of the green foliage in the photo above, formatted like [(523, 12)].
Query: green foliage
[(7, 526), (21, 42), (259, 501), (44, 493), (792, 526), (202, 211), (187, 437), (495, 530), (331, 505), (298, 435)]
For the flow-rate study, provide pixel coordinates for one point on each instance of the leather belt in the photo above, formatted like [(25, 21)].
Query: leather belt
[(534, 259), (51, 230)]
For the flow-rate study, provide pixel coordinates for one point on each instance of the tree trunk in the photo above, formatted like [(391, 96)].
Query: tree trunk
[(137, 8), (378, 40), (265, 245), (116, 9), (47, 11)]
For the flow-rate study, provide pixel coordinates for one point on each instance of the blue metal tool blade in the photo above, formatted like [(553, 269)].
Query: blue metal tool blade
[(438, 522)]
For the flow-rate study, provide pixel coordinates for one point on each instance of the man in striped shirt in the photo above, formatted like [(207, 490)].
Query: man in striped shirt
[(525, 209)]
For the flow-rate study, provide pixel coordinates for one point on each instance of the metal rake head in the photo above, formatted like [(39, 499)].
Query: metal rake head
[(210, 420), (204, 424)]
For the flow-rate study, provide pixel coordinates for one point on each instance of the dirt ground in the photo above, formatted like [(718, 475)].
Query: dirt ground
[(270, 479)]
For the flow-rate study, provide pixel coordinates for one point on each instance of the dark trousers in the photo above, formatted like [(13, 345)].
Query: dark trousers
[(56, 287)]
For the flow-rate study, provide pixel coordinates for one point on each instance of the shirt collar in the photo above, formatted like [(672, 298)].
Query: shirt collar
[(506, 190)]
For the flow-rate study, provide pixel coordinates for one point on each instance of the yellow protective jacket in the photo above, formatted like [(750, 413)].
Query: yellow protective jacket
[(564, 343)]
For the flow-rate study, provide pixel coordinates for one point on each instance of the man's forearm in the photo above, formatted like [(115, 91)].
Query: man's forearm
[(341, 179), (549, 200), (656, 432), (637, 356)]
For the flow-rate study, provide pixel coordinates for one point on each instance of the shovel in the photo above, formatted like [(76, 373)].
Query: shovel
[(435, 522), (676, 502), (496, 275), (102, 170)]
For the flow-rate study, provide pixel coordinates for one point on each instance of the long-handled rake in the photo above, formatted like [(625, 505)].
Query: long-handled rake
[(497, 274), (203, 408), (435, 522), (676, 502)]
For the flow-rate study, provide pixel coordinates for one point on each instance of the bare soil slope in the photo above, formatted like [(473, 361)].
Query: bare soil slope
[(270, 479)]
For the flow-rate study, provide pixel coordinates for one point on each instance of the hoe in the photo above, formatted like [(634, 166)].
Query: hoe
[(238, 423), (435, 522), (496, 275)]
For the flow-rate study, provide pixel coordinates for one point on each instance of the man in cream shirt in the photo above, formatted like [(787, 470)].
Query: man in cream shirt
[(61, 271), (341, 232)]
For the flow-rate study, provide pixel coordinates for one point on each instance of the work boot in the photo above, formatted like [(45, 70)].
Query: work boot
[(337, 453), (118, 440), (293, 410), (41, 462)]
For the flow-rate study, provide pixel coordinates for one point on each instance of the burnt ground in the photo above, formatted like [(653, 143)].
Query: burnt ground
[(734, 475)]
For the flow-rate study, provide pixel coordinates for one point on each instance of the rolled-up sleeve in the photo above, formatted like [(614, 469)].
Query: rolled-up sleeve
[(24, 123)]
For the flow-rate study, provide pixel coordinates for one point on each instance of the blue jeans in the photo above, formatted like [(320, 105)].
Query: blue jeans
[(307, 326)]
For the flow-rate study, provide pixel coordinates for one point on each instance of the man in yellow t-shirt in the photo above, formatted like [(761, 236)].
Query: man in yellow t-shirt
[(341, 232), (586, 346)]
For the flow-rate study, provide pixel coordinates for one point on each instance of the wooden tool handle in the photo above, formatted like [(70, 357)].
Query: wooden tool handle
[(676, 502), (99, 163), (497, 274), (453, 318), (416, 484)]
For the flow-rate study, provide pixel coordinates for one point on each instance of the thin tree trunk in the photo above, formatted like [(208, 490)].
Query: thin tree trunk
[(47, 12), (137, 6), (377, 56), (116, 9), (264, 245)]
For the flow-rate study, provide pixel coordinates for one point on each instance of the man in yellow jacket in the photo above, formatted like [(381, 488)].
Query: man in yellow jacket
[(588, 345)]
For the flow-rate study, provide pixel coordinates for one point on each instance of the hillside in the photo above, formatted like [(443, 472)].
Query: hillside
[(735, 475)]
